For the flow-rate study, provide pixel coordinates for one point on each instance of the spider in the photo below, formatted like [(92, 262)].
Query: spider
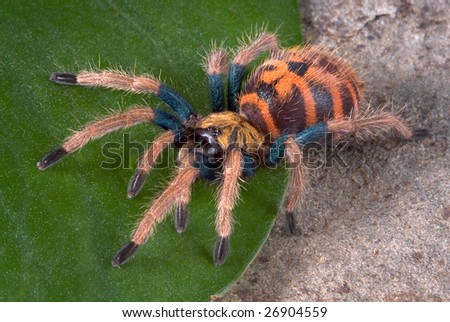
[(296, 96)]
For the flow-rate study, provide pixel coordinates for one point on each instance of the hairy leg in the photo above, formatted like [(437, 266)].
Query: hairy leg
[(96, 130), (228, 195), (247, 53), (184, 178), (123, 81), (147, 162), (181, 214), (296, 182), (370, 124), (216, 67)]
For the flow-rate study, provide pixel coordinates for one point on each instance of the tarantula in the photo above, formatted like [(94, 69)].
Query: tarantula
[(296, 96)]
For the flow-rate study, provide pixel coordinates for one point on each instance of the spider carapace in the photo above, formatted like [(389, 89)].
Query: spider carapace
[(295, 97)]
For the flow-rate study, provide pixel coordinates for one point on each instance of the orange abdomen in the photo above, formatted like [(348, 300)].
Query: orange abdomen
[(297, 88)]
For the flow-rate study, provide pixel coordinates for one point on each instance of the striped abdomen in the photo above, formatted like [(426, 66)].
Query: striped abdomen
[(297, 88)]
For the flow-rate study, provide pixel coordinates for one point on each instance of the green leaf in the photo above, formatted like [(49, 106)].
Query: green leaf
[(60, 228)]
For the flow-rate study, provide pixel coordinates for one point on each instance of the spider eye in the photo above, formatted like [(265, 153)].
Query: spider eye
[(213, 130)]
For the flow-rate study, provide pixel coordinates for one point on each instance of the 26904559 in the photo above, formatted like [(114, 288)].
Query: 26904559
[(302, 311)]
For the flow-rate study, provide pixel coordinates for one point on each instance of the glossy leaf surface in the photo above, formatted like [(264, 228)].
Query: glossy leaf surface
[(61, 227)]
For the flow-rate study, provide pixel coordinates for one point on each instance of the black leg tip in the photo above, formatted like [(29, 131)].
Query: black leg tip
[(124, 254), (51, 158), (62, 78), (290, 222), (221, 250), (181, 217), (419, 134), (136, 183)]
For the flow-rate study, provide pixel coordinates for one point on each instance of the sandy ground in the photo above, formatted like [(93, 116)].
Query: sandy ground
[(378, 229)]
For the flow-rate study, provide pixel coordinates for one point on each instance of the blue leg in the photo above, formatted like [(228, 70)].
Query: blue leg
[(234, 85), (263, 42), (175, 101), (167, 121), (250, 166), (216, 92), (313, 134)]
